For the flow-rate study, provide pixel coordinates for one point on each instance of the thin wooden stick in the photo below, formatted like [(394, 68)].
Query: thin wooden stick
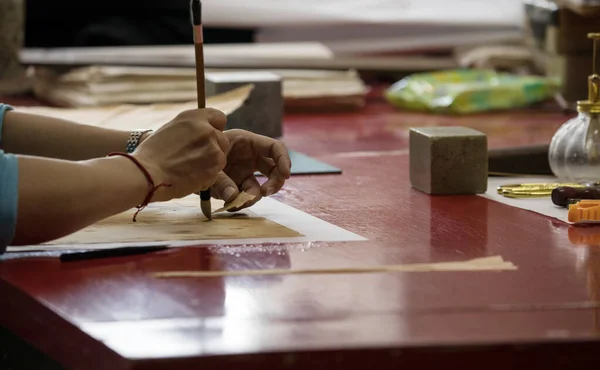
[(196, 15), (494, 263)]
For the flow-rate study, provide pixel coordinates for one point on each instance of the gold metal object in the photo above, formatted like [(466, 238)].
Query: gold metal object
[(592, 105), (539, 194), (532, 190)]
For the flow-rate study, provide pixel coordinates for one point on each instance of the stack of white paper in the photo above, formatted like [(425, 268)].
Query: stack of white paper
[(108, 85)]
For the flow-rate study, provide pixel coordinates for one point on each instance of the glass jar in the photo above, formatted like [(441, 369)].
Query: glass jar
[(574, 152)]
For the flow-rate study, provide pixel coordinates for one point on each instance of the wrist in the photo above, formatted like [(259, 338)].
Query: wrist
[(156, 174), (152, 185), (133, 182), (126, 181)]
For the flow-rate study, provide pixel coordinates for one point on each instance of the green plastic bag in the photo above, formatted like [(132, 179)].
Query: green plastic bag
[(464, 91)]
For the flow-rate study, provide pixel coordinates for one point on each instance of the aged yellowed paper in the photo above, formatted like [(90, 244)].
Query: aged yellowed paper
[(175, 220)]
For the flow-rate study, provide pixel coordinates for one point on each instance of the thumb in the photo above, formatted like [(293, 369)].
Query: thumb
[(224, 188)]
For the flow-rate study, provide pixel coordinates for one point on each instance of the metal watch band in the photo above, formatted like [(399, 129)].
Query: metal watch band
[(134, 140)]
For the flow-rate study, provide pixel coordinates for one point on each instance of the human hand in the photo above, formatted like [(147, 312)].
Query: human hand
[(188, 153), (249, 153)]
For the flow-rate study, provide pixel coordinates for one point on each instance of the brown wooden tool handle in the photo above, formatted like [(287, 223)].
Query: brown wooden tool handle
[(530, 160), (561, 195)]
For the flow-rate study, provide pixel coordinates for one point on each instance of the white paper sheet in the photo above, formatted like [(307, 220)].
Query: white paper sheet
[(313, 229), (268, 13), (366, 39), (176, 55), (373, 26), (542, 206)]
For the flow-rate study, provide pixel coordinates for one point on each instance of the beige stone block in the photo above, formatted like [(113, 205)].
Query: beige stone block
[(448, 160)]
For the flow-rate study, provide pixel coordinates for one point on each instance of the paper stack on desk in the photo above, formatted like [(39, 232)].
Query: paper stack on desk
[(108, 85)]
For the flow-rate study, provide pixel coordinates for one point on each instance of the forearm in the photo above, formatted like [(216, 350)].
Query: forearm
[(43, 136), (58, 197)]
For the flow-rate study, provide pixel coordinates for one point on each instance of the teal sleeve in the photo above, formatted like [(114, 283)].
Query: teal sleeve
[(9, 179)]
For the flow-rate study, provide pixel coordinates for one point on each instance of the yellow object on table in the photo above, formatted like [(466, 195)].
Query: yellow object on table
[(465, 91), (532, 190), (585, 211)]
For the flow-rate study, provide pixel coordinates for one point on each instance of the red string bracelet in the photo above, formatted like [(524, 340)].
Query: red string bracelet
[(151, 187)]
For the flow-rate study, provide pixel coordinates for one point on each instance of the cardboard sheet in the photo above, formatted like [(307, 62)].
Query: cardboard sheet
[(493, 263), (542, 206), (130, 117)]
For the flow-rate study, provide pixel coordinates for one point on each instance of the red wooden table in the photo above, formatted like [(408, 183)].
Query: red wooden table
[(110, 314)]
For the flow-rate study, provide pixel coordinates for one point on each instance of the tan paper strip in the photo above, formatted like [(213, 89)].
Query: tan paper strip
[(239, 201), (494, 263)]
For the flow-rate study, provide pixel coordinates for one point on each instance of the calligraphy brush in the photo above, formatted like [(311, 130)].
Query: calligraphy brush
[(196, 18)]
